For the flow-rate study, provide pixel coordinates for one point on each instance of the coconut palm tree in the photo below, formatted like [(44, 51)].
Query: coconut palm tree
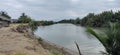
[(111, 39)]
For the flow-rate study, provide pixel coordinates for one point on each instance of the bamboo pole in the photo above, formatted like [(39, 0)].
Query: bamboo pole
[(78, 48)]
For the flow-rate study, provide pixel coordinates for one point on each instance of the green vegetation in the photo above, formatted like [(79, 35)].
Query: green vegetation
[(111, 39), (40, 39), (44, 23), (91, 20), (2, 13), (96, 20), (55, 53), (66, 21), (73, 21), (100, 20), (24, 19), (34, 25), (17, 53)]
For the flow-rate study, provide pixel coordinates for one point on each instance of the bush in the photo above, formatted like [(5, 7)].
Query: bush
[(34, 25)]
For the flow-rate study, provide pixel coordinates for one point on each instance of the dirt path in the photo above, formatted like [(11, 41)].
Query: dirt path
[(15, 43)]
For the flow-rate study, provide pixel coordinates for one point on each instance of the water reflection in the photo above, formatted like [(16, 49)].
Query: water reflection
[(66, 34)]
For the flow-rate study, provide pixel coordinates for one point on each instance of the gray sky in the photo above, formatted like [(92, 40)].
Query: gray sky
[(57, 9)]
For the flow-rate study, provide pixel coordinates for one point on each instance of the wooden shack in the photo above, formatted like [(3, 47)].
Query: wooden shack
[(4, 21)]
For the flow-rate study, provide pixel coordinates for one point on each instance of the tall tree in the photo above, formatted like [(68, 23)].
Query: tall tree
[(24, 18), (3, 13)]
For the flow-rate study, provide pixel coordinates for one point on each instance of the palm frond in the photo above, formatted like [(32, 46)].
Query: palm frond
[(111, 40), (100, 38)]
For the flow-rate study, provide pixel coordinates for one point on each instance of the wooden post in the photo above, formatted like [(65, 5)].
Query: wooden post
[(78, 48)]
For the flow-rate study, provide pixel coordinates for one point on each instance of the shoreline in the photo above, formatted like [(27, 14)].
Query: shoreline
[(52, 47)]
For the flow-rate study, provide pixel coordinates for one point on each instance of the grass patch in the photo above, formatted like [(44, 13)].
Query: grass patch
[(17, 53), (39, 39), (55, 53)]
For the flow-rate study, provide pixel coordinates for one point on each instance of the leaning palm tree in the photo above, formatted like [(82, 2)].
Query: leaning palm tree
[(111, 39)]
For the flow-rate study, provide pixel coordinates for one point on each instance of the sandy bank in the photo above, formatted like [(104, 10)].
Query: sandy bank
[(20, 40), (15, 43)]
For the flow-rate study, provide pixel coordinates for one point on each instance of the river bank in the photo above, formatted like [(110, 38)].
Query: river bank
[(13, 42), (19, 39), (56, 48), (52, 47), (66, 34)]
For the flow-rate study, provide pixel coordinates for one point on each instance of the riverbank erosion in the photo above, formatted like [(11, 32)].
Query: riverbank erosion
[(14, 42), (20, 40)]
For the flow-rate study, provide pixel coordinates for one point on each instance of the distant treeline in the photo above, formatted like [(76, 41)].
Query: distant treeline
[(32, 23), (26, 19), (96, 20), (92, 19), (101, 20), (73, 21)]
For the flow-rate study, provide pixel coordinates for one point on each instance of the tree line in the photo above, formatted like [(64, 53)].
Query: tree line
[(33, 23), (26, 19), (100, 20), (96, 20), (92, 20)]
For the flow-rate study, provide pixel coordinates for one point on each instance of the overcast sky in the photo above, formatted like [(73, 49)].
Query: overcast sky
[(57, 9)]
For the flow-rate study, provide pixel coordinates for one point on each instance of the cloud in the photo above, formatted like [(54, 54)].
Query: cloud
[(57, 9), (13, 4), (30, 0), (111, 0), (17, 6), (75, 1), (73, 13)]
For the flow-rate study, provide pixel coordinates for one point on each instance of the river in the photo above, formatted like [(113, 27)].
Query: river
[(65, 35)]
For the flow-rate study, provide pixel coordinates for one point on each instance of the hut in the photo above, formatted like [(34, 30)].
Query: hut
[(4, 21)]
